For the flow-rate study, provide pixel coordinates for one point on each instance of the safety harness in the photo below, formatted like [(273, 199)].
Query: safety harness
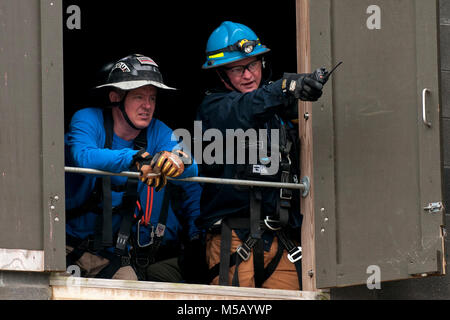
[(145, 254), (103, 237), (257, 225)]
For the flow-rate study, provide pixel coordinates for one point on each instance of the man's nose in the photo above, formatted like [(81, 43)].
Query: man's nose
[(148, 103), (247, 74)]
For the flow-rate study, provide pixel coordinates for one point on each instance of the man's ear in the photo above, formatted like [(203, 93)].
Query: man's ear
[(114, 96)]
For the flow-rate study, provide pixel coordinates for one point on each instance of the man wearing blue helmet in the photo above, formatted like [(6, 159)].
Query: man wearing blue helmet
[(254, 233)]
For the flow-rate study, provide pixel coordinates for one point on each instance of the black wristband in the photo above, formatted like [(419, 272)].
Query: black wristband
[(137, 158)]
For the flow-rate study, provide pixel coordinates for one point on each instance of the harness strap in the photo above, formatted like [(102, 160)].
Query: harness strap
[(79, 248), (261, 273), (107, 213), (294, 253), (82, 246), (243, 251), (225, 247), (284, 201), (104, 237), (144, 255), (254, 239), (115, 263), (128, 201), (91, 204), (258, 264), (110, 269), (256, 233), (259, 280), (269, 270)]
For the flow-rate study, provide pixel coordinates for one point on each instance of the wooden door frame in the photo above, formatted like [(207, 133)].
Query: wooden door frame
[(306, 151)]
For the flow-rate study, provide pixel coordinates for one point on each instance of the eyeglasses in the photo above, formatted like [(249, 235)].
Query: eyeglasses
[(238, 71)]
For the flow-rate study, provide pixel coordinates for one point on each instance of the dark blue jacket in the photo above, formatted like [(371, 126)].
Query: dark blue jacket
[(223, 110)]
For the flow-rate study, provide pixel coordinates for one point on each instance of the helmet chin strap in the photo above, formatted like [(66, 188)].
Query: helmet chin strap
[(124, 113), (266, 71), (224, 77)]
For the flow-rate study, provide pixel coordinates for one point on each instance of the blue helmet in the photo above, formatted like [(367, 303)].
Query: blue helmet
[(232, 42)]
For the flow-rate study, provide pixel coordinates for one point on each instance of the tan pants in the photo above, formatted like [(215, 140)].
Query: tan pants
[(284, 276), (92, 264)]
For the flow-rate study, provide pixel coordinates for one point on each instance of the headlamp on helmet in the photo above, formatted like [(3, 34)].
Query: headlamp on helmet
[(244, 45), (247, 46)]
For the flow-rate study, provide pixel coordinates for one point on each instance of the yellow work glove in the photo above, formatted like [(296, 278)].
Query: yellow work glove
[(168, 163)]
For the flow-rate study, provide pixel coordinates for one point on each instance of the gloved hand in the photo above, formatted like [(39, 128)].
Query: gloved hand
[(170, 164), (140, 159), (302, 86), (143, 162)]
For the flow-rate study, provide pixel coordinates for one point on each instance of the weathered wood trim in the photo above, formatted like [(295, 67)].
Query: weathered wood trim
[(21, 260), (306, 156), (73, 288)]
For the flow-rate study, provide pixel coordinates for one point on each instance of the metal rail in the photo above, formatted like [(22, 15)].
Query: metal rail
[(299, 186)]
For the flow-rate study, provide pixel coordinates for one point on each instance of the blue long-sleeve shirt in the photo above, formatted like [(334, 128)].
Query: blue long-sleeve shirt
[(85, 148)]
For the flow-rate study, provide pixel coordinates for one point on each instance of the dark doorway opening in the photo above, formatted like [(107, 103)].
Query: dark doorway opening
[(174, 34)]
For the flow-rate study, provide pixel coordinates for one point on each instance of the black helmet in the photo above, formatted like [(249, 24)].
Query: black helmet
[(135, 71)]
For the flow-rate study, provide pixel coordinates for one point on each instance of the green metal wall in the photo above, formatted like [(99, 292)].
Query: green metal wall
[(429, 288), (31, 129), (376, 164)]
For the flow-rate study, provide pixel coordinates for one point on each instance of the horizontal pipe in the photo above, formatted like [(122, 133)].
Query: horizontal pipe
[(299, 186)]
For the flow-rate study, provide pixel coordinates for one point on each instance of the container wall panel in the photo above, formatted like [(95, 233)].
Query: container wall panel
[(377, 164), (31, 130)]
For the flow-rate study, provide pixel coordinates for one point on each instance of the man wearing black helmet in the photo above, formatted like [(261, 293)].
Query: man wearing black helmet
[(253, 235), (115, 225)]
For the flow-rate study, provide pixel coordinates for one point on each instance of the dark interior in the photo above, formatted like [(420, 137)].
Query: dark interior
[(174, 34)]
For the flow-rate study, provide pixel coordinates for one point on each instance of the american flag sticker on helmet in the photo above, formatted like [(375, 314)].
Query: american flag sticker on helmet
[(146, 60)]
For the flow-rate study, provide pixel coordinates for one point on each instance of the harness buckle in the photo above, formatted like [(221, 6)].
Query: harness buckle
[(285, 194), (121, 241), (268, 221), (244, 251), (88, 244), (289, 159), (142, 262), (152, 234), (125, 261), (295, 255)]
